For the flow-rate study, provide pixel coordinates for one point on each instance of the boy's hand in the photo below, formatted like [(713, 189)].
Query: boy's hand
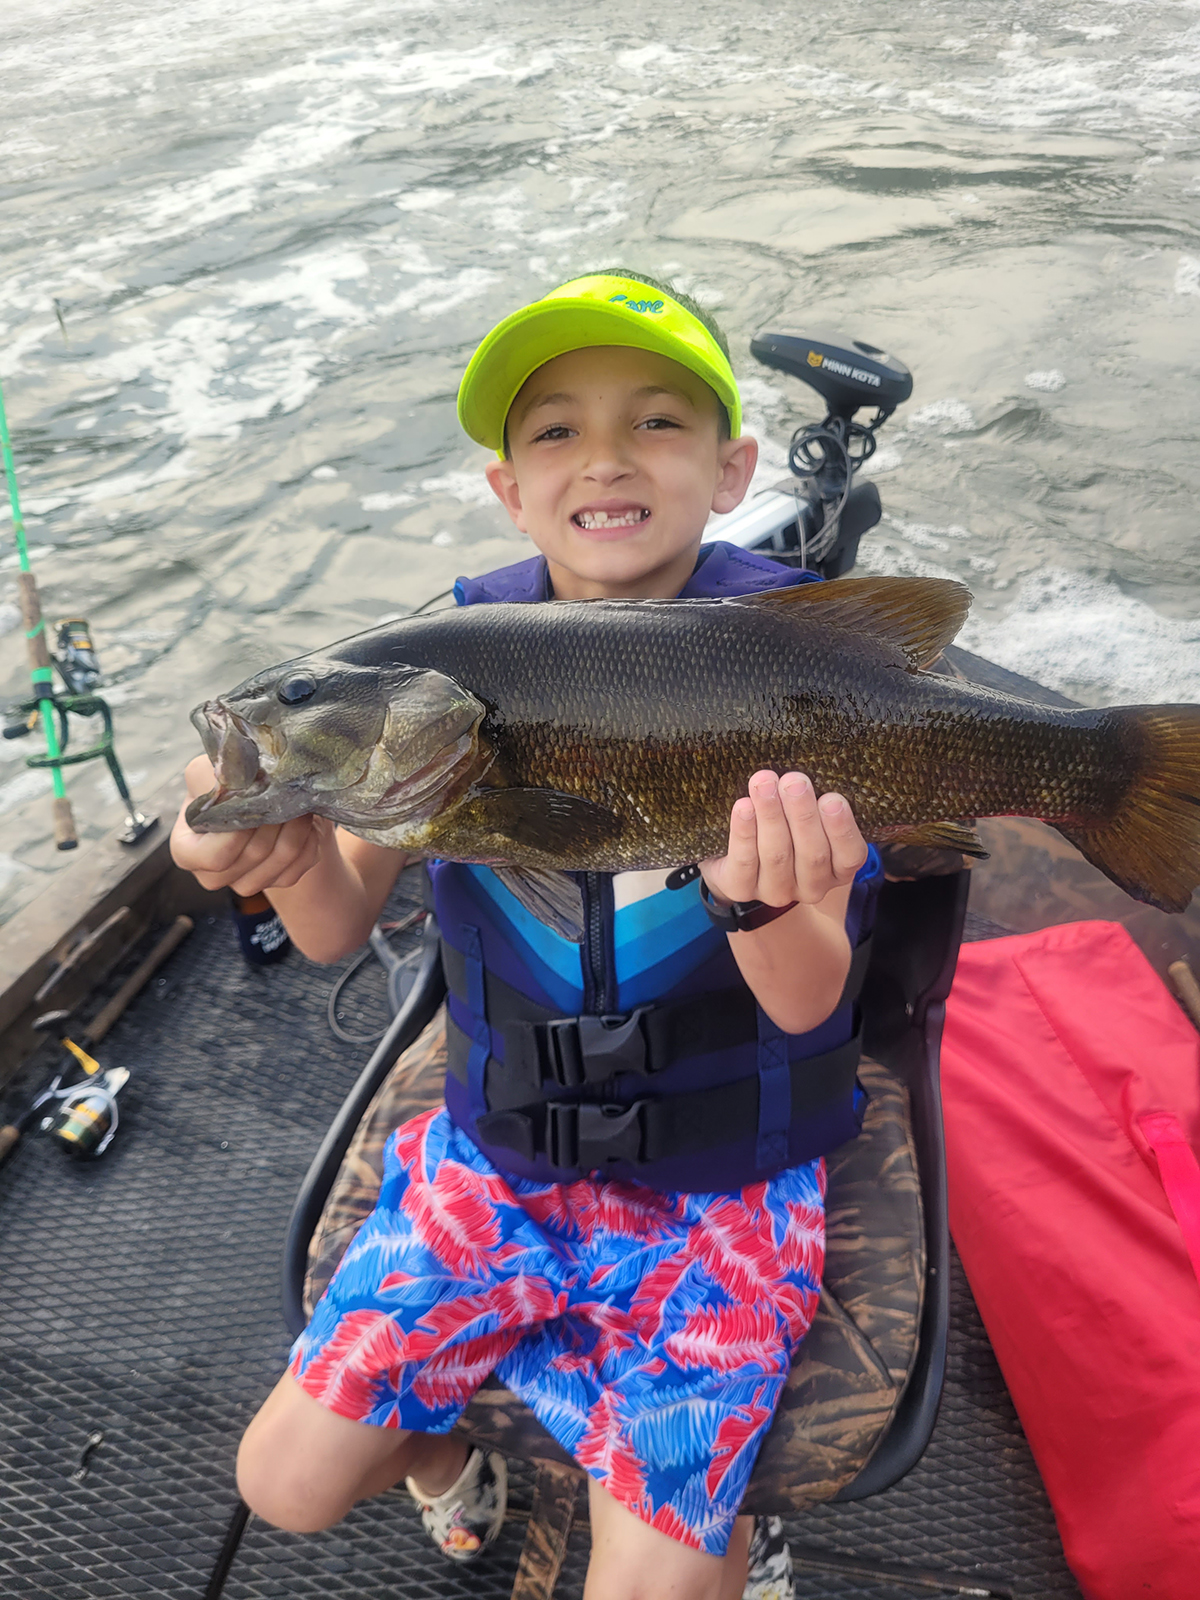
[(275, 856), (786, 845)]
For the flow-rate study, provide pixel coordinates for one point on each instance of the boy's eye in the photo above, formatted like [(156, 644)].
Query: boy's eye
[(659, 422), (556, 430)]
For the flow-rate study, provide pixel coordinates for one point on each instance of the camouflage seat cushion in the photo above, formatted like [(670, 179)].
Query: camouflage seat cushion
[(851, 1369)]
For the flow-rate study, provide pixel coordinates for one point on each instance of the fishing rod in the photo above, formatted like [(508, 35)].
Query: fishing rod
[(41, 671), (80, 671)]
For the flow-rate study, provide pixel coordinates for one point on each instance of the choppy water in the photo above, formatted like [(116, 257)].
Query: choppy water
[(276, 232)]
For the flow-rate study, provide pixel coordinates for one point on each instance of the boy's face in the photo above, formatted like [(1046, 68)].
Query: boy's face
[(614, 462)]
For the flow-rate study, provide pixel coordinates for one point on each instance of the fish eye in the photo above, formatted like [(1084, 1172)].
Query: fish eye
[(295, 690)]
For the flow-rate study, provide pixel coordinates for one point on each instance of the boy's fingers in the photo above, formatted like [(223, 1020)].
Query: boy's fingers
[(735, 876), (305, 847), (260, 842), (847, 847), (810, 847), (776, 858), (204, 852), (292, 853)]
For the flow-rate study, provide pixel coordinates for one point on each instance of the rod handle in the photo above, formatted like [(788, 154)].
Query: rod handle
[(36, 645), (65, 837), (103, 1020), (9, 1138), (1186, 988)]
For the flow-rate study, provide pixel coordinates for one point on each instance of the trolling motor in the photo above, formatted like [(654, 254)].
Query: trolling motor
[(831, 512), (78, 665)]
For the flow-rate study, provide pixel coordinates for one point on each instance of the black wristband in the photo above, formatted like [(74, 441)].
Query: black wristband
[(743, 916)]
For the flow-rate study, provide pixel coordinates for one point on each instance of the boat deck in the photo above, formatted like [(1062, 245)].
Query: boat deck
[(142, 1303)]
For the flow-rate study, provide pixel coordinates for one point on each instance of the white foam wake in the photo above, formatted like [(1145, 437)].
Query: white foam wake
[(1080, 635)]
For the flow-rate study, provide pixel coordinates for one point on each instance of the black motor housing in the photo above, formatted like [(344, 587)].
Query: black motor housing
[(848, 373)]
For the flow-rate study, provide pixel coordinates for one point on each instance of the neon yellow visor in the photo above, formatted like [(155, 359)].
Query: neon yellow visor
[(598, 310)]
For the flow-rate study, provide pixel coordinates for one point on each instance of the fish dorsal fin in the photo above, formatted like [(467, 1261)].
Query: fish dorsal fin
[(919, 617)]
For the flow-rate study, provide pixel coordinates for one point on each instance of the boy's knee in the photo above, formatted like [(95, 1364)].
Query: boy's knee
[(284, 1492)]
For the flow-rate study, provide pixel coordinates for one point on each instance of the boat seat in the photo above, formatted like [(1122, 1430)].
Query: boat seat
[(863, 1392)]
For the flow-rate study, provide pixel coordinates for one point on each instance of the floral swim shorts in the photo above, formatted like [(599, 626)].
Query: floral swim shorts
[(650, 1333)]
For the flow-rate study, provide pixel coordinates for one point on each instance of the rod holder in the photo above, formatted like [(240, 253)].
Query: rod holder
[(137, 823)]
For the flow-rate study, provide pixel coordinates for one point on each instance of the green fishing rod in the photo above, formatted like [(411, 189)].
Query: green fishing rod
[(41, 670)]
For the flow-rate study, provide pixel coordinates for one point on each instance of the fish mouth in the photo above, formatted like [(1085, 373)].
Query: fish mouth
[(619, 516), (234, 752)]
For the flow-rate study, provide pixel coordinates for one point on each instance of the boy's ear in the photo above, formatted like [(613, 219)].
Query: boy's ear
[(737, 459), (503, 481)]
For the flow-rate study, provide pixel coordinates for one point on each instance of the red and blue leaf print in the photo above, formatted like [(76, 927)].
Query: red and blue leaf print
[(559, 1207), (691, 1518), (726, 1338), (559, 1389), (524, 1300), (452, 1375), (609, 1318), (409, 1144), (457, 1224), (605, 1454), (803, 1247), (672, 1426), (513, 1304), (799, 1306), (385, 1243), (347, 1374), (735, 1247), (655, 1290), (628, 1211), (667, 1520), (397, 1280), (741, 1428)]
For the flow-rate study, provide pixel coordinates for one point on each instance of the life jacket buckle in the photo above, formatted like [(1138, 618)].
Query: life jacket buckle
[(591, 1049), (585, 1135)]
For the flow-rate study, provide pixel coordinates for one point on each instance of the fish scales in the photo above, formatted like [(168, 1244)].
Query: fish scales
[(584, 699)]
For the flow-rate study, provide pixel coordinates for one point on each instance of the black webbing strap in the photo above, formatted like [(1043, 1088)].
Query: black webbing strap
[(582, 1136), (544, 1051), (860, 956)]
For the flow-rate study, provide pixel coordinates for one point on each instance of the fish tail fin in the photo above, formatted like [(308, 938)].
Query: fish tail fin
[(1151, 847)]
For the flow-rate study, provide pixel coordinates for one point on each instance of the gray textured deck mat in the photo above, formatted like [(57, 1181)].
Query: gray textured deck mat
[(141, 1300)]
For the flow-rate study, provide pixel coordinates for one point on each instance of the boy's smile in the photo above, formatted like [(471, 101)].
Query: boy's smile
[(615, 459)]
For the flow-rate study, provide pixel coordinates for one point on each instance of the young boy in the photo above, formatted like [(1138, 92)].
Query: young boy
[(649, 1324)]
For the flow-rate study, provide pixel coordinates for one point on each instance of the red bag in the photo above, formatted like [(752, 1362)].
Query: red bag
[(1071, 1084)]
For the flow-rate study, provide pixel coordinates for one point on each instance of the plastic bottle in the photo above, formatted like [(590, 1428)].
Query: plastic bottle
[(261, 935)]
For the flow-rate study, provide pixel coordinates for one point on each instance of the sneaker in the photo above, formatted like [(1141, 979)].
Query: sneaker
[(469, 1514), (770, 1574)]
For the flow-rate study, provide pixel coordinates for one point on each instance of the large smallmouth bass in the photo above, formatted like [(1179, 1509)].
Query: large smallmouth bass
[(612, 735)]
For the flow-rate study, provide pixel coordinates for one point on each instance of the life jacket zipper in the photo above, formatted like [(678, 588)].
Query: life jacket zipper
[(598, 985)]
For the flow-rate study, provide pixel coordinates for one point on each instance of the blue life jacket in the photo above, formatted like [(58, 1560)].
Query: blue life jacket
[(640, 1054)]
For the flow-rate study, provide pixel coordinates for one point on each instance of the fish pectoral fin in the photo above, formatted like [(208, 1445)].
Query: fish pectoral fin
[(919, 617), (942, 836), (551, 897), (544, 819)]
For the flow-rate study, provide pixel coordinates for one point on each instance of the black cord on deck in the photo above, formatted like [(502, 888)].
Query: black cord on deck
[(237, 1526)]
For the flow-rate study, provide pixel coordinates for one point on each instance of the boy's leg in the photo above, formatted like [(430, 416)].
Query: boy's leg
[(633, 1561), (301, 1466)]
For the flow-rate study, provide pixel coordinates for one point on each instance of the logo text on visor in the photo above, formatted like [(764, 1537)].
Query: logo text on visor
[(638, 305)]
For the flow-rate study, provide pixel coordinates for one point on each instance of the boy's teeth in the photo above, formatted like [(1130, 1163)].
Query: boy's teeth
[(615, 519)]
